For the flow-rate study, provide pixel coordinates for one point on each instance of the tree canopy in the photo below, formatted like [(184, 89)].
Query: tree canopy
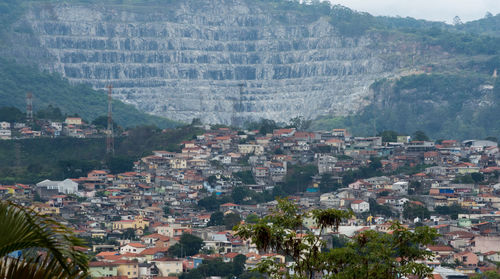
[(51, 91), (11, 114), (51, 113), (298, 178), (188, 245), (389, 136), (452, 210), (402, 105), (60, 158), (231, 220), (420, 136), (216, 219), (217, 268), (413, 210), (369, 254)]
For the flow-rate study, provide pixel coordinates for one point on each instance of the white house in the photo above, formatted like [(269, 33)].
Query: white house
[(66, 186), (4, 125), (400, 187), (19, 125), (360, 184), (5, 134), (134, 248), (360, 206), (57, 125), (401, 202)]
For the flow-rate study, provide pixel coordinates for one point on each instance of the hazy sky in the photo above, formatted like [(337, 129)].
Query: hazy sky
[(437, 10)]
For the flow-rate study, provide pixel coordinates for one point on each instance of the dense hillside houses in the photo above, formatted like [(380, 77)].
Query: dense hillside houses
[(142, 223), (73, 127)]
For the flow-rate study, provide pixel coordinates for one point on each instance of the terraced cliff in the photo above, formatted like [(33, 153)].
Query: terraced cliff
[(223, 61)]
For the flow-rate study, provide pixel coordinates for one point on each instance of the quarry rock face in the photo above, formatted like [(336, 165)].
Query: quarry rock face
[(223, 61)]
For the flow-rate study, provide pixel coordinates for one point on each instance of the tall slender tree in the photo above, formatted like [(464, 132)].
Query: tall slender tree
[(368, 255)]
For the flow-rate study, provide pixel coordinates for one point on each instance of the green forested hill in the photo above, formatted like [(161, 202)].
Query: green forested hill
[(456, 106), (51, 89), (489, 25)]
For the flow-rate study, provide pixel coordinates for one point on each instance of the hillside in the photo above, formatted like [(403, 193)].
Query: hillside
[(445, 106), (33, 160), (223, 61), (236, 61), (51, 89), (489, 25)]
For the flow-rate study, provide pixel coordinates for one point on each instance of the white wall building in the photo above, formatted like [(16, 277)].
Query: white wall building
[(66, 186), (5, 134), (4, 125), (134, 248), (57, 125), (401, 187), (359, 206)]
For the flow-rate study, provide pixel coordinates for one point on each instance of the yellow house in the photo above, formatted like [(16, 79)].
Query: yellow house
[(178, 163), (467, 170), (73, 121), (337, 143), (137, 223), (451, 201), (98, 233), (468, 203), (44, 209), (250, 148), (128, 268)]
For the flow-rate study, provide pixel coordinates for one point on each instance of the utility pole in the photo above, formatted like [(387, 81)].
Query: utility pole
[(29, 107), (110, 143)]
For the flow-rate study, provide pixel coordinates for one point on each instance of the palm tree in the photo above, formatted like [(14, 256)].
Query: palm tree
[(47, 248)]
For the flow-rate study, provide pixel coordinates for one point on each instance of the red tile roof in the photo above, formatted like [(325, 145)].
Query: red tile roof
[(231, 255), (137, 245), (229, 204), (154, 250)]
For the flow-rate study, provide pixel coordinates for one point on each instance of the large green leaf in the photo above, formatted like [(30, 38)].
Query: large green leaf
[(49, 248)]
